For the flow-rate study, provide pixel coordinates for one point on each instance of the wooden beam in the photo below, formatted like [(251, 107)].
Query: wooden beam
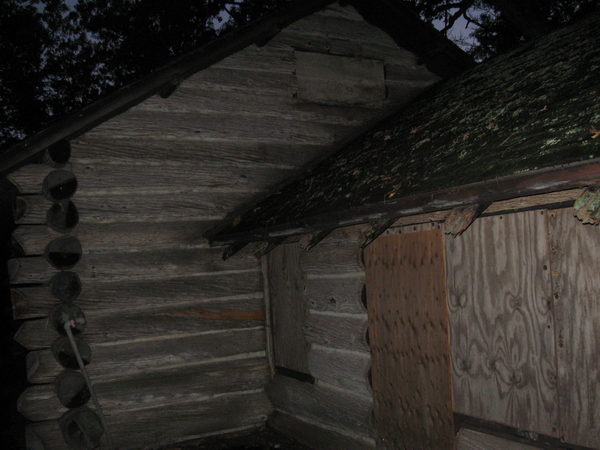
[(542, 181)]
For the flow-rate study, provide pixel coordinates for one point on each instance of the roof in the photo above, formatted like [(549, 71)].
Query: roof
[(439, 54), (519, 124)]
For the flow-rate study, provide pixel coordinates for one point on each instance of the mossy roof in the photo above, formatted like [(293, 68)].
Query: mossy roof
[(532, 108)]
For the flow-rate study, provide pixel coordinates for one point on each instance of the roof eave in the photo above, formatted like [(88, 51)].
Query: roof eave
[(541, 181)]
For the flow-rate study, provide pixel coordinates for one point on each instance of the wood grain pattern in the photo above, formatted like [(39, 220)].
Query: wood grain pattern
[(408, 329), (99, 296), (286, 283), (474, 440), (127, 326), (143, 265), (344, 369), (111, 237), (316, 435), (504, 366), (339, 80), (173, 422), (343, 331), (321, 403), (113, 361), (127, 151), (342, 295), (576, 288), (182, 385)]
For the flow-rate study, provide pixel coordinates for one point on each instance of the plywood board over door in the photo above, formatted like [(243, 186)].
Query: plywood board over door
[(575, 264), (502, 324), (408, 330)]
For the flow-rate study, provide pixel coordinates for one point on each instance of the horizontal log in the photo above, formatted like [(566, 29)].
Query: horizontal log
[(192, 383), (323, 43), (167, 424), (137, 325), (332, 257), (106, 296), (467, 439), (328, 406), (342, 295), (340, 368), (269, 58), (342, 331), (252, 103), (163, 152), (138, 207), (152, 264), (111, 237), (316, 435), (189, 126), (343, 29), (113, 361), (219, 79)]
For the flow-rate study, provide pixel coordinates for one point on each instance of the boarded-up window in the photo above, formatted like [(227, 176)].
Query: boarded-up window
[(339, 80)]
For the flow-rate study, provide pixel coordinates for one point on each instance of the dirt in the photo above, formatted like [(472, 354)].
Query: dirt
[(266, 439)]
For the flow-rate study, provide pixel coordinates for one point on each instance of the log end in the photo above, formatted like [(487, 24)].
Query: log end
[(32, 365)]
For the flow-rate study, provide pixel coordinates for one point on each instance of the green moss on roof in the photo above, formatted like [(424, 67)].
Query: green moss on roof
[(531, 108)]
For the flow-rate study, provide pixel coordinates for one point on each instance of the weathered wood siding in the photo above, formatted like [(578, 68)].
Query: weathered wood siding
[(161, 306), (335, 411)]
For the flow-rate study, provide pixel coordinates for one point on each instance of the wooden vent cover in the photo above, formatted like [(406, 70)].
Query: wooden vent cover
[(409, 338)]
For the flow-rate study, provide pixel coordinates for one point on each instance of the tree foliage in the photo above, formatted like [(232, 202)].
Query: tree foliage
[(58, 55)]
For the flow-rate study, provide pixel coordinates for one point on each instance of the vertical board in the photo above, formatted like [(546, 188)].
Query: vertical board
[(576, 290), (408, 329), (501, 322), (286, 286)]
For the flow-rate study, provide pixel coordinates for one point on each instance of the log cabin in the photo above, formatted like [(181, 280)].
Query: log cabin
[(209, 295)]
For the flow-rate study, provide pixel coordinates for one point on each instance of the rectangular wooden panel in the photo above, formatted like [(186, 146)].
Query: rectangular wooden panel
[(575, 267), (286, 284), (408, 329), (502, 328)]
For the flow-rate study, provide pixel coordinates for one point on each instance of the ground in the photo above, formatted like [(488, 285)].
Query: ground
[(265, 439)]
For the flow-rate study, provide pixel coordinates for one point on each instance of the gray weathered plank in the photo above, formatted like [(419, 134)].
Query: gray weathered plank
[(339, 80), (343, 331), (113, 361), (576, 290), (316, 435), (111, 237), (344, 369), (342, 295), (172, 423), (103, 296), (270, 58), (334, 407), (332, 257), (190, 126), (135, 325), (286, 283), (502, 329), (159, 152), (182, 385), (152, 264), (474, 440)]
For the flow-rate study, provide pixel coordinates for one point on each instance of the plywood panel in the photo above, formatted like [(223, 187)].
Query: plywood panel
[(576, 292), (286, 283), (408, 329), (501, 322)]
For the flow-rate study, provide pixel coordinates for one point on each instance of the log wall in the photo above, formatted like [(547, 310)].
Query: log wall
[(334, 412), (175, 332), (522, 299)]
